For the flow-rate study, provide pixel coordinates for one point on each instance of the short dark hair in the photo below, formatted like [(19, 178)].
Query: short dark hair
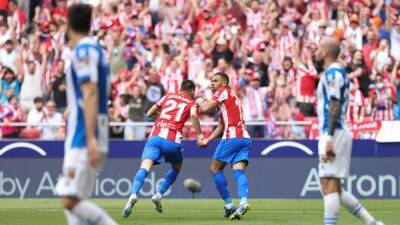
[(80, 17), (224, 76), (188, 85), (38, 99)]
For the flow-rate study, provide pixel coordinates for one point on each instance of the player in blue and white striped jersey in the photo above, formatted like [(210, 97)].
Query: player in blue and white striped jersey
[(86, 144), (335, 141)]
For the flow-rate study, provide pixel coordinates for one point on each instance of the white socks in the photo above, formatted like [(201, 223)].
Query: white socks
[(352, 205), (92, 214), (331, 208)]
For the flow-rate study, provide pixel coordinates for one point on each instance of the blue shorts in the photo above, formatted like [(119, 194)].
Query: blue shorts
[(233, 150), (157, 147)]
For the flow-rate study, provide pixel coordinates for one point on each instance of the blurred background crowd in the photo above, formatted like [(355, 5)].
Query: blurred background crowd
[(265, 46)]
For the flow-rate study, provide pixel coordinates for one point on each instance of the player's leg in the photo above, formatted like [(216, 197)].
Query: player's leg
[(239, 165), (330, 189), (348, 200), (351, 203), (137, 184), (221, 184), (169, 178), (75, 186), (151, 155), (84, 212)]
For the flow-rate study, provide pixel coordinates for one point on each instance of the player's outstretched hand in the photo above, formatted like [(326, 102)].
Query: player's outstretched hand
[(93, 153), (330, 153)]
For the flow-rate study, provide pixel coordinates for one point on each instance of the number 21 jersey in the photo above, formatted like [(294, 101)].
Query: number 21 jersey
[(175, 110)]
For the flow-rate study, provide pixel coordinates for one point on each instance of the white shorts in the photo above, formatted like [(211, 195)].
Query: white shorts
[(79, 177), (339, 167)]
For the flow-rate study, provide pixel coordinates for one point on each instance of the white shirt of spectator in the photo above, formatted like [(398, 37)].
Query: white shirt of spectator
[(382, 58), (259, 97), (35, 117), (355, 35), (4, 37), (196, 65), (395, 44), (254, 18), (31, 86), (8, 59), (50, 132)]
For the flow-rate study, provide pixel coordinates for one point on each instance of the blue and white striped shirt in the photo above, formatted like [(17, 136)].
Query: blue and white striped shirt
[(89, 63), (334, 84)]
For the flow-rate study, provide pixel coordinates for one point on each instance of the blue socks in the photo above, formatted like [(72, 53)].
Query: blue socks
[(222, 187), (138, 181), (169, 179), (242, 185)]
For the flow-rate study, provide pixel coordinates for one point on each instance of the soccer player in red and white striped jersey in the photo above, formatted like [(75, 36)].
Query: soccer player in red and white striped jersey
[(233, 148), (165, 141)]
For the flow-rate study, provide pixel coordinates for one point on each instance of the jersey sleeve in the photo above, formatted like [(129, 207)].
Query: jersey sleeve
[(334, 82), (220, 95), (85, 60)]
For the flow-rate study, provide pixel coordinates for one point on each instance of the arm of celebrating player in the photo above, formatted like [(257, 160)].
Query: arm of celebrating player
[(207, 106), (216, 133), (153, 110), (196, 123)]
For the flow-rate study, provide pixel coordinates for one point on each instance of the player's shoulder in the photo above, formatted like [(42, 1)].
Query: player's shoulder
[(85, 47), (336, 69)]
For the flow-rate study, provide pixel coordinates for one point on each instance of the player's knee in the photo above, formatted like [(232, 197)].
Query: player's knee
[(69, 202), (214, 169)]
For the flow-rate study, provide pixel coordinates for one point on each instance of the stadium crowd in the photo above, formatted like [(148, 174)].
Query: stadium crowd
[(265, 46)]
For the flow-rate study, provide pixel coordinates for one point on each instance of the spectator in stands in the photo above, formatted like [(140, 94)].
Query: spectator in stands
[(11, 112), (306, 78), (154, 91), (116, 52), (17, 18), (10, 85), (395, 77), (357, 110), (136, 114), (37, 114), (115, 131), (9, 56), (31, 85), (254, 105), (383, 100), (58, 87), (51, 121), (5, 33)]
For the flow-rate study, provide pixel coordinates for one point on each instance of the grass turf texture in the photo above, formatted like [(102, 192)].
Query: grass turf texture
[(202, 212)]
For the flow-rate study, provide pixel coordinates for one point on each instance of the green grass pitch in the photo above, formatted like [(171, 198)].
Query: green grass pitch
[(201, 212)]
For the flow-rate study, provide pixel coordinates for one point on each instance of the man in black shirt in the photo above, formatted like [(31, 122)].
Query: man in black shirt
[(258, 66), (154, 91), (58, 88)]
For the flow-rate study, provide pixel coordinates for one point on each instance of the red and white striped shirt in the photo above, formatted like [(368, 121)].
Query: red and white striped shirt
[(306, 78), (384, 104), (230, 114), (172, 79), (356, 102), (175, 110)]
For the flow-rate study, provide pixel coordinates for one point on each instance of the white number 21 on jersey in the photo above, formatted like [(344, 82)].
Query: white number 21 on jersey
[(171, 105)]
